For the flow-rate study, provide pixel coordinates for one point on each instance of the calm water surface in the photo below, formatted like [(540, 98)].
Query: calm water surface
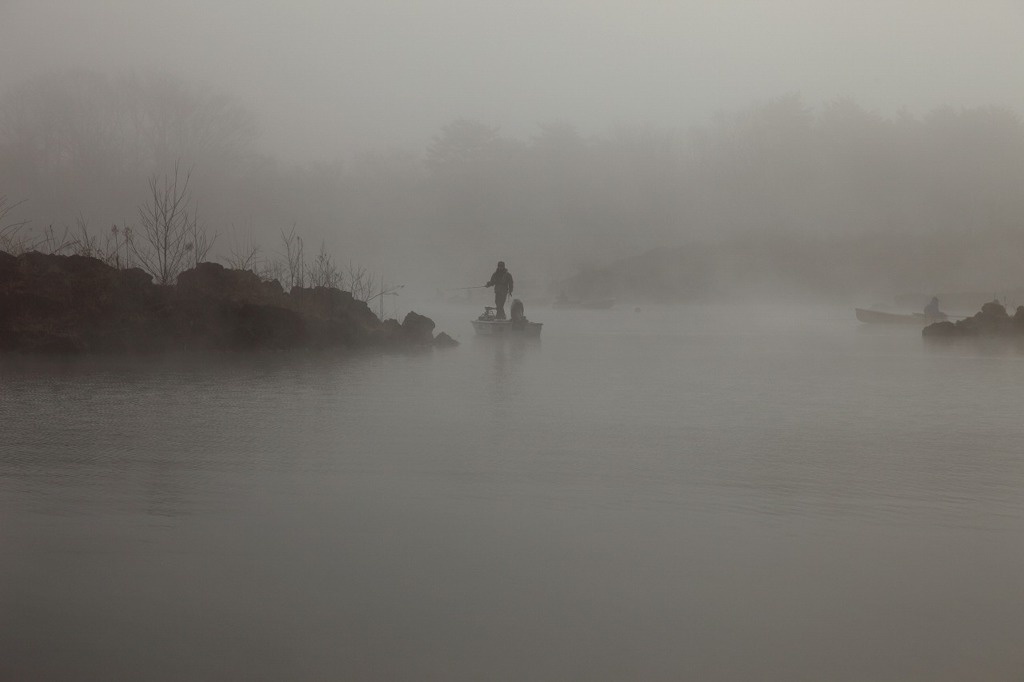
[(663, 494)]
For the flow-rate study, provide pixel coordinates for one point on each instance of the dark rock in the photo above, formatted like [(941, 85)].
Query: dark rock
[(992, 320), (329, 303), (263, 326), (8, 268), (75, 304), (69, 302), (940, 329), (389, 332), (418, 329), (214, 281), (444, 341)]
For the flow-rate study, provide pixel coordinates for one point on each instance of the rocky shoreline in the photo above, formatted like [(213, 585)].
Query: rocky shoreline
[(992, 320), (77, 304)]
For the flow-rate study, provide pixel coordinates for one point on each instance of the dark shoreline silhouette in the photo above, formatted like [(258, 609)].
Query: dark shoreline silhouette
[(992, 320), (77, 304)]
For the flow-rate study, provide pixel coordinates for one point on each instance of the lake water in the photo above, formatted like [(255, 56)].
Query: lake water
[(671, 493)]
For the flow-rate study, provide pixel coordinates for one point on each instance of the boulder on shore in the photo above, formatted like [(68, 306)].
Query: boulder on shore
[(80, 304)]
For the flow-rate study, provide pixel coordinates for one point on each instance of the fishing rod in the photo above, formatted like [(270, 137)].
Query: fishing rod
[(483, 286)]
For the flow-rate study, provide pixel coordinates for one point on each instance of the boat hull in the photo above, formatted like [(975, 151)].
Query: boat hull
[(506, 328), (879, 316)]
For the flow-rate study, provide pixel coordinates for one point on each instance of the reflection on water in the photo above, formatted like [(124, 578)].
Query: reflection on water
[(508, 357), (690, 493)]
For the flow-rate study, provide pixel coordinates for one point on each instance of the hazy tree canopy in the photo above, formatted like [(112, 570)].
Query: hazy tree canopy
[(461, 142), (83, 142), (80, 145), (82, 118), (558, 140)]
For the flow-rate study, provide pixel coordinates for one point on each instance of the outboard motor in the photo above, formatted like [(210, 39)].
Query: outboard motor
[(517, 311)]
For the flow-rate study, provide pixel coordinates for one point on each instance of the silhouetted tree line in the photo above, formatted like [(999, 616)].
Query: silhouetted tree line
[(839, 194)]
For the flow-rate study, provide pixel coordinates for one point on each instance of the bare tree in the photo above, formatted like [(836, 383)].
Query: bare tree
[(243, 253), (201, 240), (323, 272), (295, 265), (84, 243), (383, 292), (120, 238), (359, 282), (107, 247), (170, 237), (52, 241), (270, 270)]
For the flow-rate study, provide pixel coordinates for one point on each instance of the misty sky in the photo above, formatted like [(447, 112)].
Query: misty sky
[(330, 76)]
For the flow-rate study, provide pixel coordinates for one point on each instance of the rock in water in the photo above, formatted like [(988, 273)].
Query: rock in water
[(418, 329), (444, 341)]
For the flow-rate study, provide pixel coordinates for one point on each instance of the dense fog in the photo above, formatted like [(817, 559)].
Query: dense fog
[(721, 186), (230, 451)]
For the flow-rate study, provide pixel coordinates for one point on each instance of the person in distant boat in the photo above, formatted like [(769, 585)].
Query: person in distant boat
[(932, 309), (501, 280)]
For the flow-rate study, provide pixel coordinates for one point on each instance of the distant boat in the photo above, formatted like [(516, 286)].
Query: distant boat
[(879, 316), (586, 304), (489, 325)]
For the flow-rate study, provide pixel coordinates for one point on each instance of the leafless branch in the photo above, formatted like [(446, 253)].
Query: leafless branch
[(170, 238)]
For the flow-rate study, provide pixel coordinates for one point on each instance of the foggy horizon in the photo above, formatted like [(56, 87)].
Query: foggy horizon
[(777, 138), (329, 79)]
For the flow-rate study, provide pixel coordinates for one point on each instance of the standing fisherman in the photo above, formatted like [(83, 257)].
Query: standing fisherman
[(501, 280)]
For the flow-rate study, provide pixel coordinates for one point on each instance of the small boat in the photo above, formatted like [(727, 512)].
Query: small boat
[(489, 325), (920, 319)]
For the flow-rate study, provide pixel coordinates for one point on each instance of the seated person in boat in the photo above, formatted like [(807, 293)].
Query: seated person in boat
[(517, 310), (501, 280), (932, 309)]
